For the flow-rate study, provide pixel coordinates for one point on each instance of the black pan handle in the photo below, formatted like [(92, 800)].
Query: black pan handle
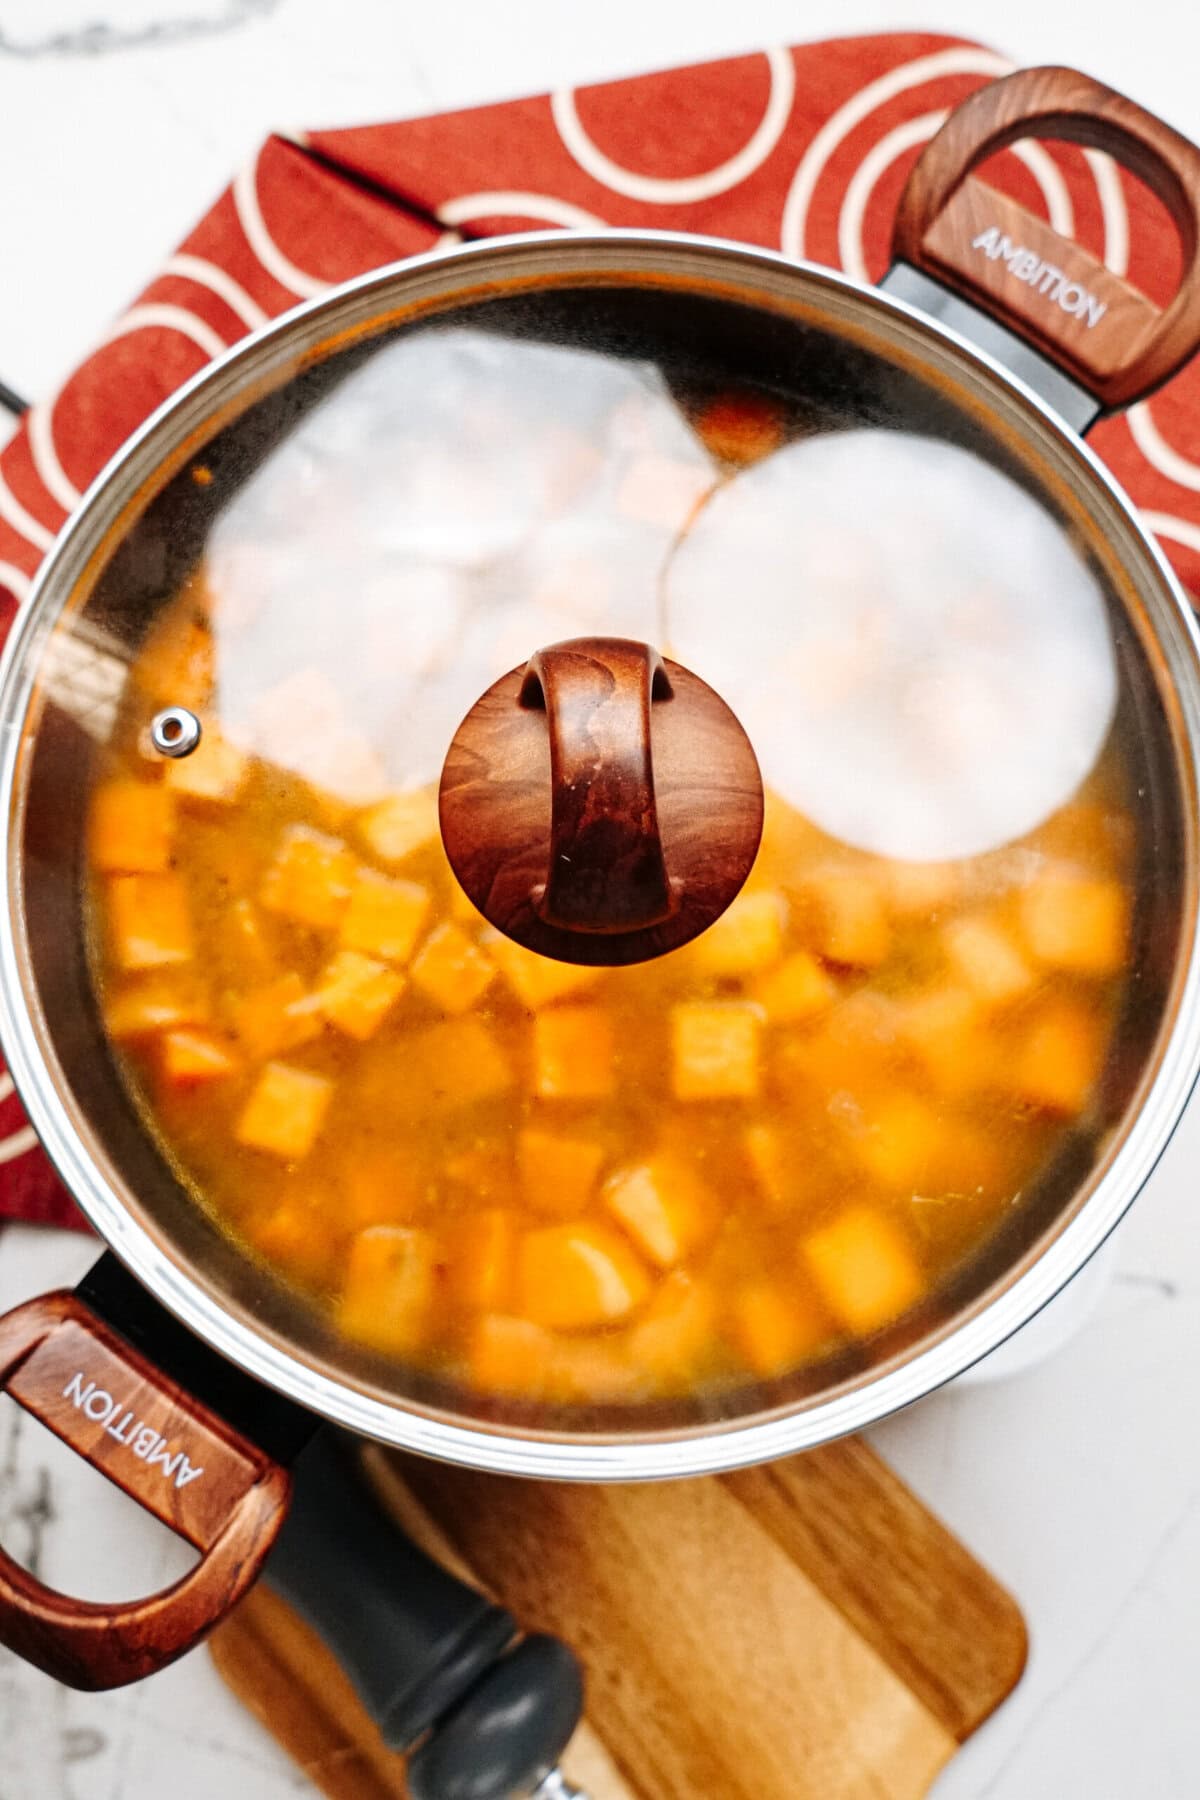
[(429, 1657)]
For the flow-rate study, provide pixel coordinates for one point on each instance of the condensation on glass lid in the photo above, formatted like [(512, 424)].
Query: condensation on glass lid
[(921, 658), (456, 503)]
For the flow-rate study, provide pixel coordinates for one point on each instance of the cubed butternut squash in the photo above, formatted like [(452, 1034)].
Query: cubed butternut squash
[(389, 1287), (578, 1277), (132, 828), (773, 1328), (772, 1168), (383, 917), (397, 826), (983, 954), (459, 1064), (664, 1207), (923, 890), (310, 880), (150, 925), (384, 1187), (280, 1016), (845, 917), (558, 1174), (591, 1371), (191, 1056), (900, 1141), (509, 1356), (741, 428), (864, 1268), (1059, 1058), (480, 1249), (177, 663), (296, 1237), (212, 775), (800, 988), (715, 1050), (243, 946), (537, 981), (747, 938), (356, 994), (573, 1054), (152, 1004), (1074, 922), (674, 1335), (945, 1027), (452, 970), (285, 1112)]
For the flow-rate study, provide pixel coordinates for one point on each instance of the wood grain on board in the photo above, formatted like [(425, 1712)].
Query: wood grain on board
[(805, 1631)]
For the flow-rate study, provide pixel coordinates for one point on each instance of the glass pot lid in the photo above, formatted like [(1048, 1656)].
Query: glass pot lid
[(620, 840)]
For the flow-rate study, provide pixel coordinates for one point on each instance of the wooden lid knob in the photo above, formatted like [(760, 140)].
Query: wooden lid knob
[(601, 805)]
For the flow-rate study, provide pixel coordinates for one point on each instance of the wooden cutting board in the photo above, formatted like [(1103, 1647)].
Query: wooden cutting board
[(804, 1631)]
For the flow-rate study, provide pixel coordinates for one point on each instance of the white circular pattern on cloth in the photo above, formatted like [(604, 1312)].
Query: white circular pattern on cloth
[(11, 510), (1113, 210), (927, 670), (1156, 450), (17, 1142), (960, 61), (1180, 531), (220, 282), (272, 258), (515, 203), (39, 426), (683, 190), (156, 315), (17, 581)]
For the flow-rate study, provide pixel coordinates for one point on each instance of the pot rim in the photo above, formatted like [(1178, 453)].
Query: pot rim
[(143, 465)]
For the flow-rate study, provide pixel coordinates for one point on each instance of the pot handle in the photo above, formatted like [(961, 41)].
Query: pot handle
[(1102, 332), (169, 1453)]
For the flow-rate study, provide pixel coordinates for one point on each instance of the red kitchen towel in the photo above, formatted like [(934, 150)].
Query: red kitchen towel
[(803, 150)]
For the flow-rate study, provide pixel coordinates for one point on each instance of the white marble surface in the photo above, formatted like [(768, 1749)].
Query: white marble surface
[(1078, 1482)]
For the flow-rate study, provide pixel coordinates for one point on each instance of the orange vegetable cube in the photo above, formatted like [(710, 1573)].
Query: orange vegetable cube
[(746, 938), (1076, 922), (666, 1211), (577, 1277), (389, 1288), (674, 1335), (402, 823), (581, 1369), (480, 1252), (901, 1141), (573, 1054), (460, 1062), (131, 828), (243, 942), (946, 1030), (451, 970), (212, 775), (537, 981), (558, 1174), (741, 428), (285, 1111), (191, 1057), (714, 1050), (310, 879), (278, 1017), (384, 918), (1057, 1064), (509, 1356), (845, 917), (296, 1237), (356, 994), (798, 989), (771, 1167), (155, 1003), (773, 1329), (988, 960), (921, 890), (177, 663), (864, 1268), (149, 921), (383, 1187)]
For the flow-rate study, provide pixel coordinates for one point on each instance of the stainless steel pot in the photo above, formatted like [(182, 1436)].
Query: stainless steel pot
[(954, 333)]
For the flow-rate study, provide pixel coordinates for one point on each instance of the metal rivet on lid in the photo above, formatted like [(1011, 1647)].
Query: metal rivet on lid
[(175, 731)]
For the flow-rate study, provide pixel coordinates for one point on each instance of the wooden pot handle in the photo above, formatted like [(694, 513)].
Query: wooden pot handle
[(606, 870), (173, 1456), (1105, 334)]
